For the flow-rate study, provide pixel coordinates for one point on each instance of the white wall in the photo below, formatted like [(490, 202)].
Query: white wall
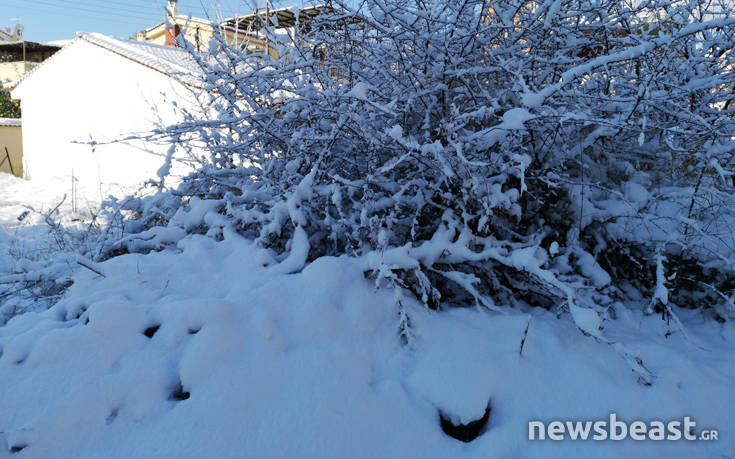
[(88, 93)]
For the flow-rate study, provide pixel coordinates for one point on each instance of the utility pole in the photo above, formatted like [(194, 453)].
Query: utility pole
[(19, 34), (237, 31), (267, 20)]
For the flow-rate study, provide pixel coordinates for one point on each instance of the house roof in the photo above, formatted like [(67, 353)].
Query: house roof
[(279, 18), (176, 63), (17, 46)]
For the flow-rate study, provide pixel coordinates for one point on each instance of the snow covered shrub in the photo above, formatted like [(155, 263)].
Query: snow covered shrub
[(564, 154), (39, 260)]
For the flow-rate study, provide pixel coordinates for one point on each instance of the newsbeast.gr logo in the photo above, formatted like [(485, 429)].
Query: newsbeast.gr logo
[(613, 429)]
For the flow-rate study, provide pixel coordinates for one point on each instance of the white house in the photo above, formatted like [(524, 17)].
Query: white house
[(94, 92)]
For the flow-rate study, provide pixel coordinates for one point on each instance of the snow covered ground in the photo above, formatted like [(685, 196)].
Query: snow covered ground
[(205, 350), (28, 242), (23, 204), (22, 207)]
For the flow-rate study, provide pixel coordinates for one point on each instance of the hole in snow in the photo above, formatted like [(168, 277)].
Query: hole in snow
[(179, 394), (150, 331), (465, 432), (20, 361), (17, 448), (194, 331), (111, 417)]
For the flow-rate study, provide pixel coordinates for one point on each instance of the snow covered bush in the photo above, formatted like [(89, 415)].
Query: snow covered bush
[(573, 155), (39, 258)]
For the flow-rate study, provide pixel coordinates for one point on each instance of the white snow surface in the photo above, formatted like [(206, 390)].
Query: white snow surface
[(514, 118), (18, 196), (61, 43), (10, 122), (28, 243), (311, 365)]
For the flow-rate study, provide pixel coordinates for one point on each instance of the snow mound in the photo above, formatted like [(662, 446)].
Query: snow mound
[(204, 351)]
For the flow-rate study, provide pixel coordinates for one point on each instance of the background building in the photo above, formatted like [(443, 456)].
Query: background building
[(242, 32), (18, 56)]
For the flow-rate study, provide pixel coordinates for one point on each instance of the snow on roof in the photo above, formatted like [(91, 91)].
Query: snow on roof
[(59, 43), (280, 18), (10, 122), (176, 63)]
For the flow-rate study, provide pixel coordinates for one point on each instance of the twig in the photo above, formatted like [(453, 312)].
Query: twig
[(525, 333), (90, 265)]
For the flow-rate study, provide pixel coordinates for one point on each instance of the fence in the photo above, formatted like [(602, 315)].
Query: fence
[(11, 147)]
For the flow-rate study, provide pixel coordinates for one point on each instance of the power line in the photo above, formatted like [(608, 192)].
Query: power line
[(135, 11), (72, 15), (149, 12), (195, 7), (87, 10), (192, 5)]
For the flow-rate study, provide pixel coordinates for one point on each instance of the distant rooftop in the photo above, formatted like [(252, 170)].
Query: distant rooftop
[(284, 17), (17, 46)]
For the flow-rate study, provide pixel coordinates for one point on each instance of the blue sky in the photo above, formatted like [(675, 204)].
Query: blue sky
[(46, 20)]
